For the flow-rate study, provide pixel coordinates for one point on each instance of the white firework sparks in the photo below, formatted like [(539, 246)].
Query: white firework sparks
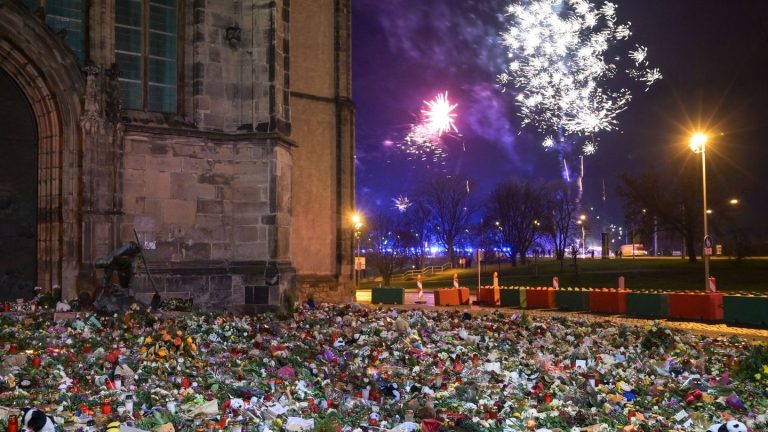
[(421, 143), (402, 203), (558, 61), (589, 148), (439, 116)]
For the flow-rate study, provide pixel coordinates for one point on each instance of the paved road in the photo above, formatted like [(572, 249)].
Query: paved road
[(711, 330)]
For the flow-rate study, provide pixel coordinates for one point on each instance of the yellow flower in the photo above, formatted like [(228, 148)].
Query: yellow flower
[(162, 352), (758, 376), (148, 340), (765, 369)]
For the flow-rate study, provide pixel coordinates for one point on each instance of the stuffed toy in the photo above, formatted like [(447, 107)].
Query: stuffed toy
[(374, 418), (731, 426), (37, 421), (235, 407)]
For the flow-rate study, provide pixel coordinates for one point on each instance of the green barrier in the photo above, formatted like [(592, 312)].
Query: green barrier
[(511, 297), (654, 305), (572, 300), (387, 295), (748, 310)]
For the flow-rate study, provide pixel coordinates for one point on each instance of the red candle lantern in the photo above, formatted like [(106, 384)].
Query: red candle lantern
[(13, 424), (106, 408), (36, 362), (87, 348), (12, 349)]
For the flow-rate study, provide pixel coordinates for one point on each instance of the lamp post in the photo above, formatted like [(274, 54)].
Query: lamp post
[(357, 222), (698, 145)]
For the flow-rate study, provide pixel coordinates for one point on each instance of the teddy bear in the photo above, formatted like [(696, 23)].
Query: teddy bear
[(730, 426), (37, 421)]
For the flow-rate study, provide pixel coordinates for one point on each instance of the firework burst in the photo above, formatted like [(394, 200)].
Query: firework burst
[(562, 59), (424, 138), (439, 116), (402, 203)]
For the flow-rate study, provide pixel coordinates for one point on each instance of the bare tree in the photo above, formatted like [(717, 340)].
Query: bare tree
[(560, 222), (418, 217), (517, 207), (387, 246), (671, 201), (448, 199)]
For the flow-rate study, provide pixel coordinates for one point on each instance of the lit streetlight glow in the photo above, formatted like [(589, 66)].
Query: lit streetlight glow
[(698, 142), (698, 145), (357, 222)]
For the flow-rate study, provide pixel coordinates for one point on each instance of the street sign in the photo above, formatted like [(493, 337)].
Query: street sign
[(359, 263), (719, 249), (707, 251), (708, 242)]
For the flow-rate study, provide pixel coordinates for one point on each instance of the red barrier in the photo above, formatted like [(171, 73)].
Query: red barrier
[(540, 298), (489, 295), (608, 301), (464, 296), (697, 306), (447, 297)]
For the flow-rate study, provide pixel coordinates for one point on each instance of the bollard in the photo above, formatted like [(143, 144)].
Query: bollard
[(556, 282), (621, 282), (712, 285)]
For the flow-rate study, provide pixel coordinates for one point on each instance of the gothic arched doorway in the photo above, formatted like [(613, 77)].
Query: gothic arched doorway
[(18, 192)]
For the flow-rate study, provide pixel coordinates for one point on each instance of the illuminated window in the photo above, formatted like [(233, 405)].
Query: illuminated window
[(67, 15), (145, 51)]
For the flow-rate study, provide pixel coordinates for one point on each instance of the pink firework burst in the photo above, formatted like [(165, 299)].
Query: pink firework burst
[(439, 116)]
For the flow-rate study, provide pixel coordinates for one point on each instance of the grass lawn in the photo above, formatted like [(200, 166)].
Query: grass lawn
[(639, 273)]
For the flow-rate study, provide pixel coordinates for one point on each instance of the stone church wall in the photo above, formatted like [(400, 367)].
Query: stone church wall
[(204, 208), (241, 196)]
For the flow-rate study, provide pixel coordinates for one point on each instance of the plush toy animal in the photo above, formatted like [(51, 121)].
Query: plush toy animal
[(731, 426), (393, 391), (234, 406), (37, 421)]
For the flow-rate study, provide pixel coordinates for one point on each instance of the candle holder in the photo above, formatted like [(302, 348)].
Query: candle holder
[(106, 407), (13, 423)]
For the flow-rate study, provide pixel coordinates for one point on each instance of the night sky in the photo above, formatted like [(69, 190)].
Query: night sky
[(713, 55)]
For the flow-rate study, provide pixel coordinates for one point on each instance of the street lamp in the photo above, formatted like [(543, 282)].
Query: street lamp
[(357, 222), (698, 145)]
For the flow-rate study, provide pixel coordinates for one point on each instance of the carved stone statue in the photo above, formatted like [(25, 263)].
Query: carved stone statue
[(121, 260)]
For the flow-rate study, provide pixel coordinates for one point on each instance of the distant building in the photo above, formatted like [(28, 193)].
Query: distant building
[(222, 132)]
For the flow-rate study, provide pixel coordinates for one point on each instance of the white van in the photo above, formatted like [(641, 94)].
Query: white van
[(636, 249)]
